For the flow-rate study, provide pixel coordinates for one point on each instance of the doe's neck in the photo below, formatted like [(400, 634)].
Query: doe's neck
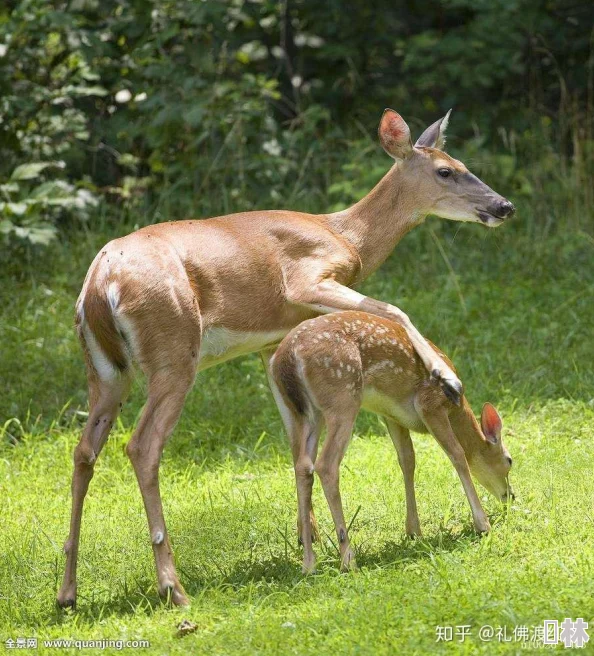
[(379, 220)]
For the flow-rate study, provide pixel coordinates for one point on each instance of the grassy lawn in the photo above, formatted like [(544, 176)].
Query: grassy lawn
[(514, 311)]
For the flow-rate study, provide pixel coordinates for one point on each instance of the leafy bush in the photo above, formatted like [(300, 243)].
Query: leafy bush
[(31, 208), (205, 107)]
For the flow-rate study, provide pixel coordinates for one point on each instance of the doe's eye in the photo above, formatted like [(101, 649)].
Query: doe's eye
[(444, 173)]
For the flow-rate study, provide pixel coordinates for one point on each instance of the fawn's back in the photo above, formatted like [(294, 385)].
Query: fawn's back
[(354, 358)]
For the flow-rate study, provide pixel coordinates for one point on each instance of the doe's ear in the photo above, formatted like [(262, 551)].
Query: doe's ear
[(434, 135), (394, 135), (491, 423)]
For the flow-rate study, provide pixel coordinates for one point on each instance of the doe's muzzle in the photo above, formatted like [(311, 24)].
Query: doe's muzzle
[(501, 208)]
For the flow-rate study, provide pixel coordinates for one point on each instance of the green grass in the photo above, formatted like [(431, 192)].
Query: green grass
[(516, 319)]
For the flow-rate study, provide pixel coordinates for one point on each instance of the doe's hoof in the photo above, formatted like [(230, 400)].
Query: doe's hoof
[(66, 597), (451, 386), (67, 602), (174, 595)]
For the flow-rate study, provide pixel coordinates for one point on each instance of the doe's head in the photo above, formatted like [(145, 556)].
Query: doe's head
[(443, 185), (490, 463)]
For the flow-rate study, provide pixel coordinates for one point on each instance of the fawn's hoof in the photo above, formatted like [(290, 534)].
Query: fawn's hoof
[(348, 562), (66, 597), (309, 567)]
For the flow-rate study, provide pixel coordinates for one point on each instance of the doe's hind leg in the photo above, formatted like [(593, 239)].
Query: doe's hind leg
[(105, 399), (167, 389)]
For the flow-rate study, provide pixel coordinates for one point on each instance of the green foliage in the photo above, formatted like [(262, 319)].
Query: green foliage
[(31, 209), (182, 107)]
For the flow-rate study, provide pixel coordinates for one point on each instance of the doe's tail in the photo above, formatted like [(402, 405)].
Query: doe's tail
[(98, 329)]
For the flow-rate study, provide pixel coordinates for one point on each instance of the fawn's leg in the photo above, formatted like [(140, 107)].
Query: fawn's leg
[(439, 425), (304, 444), (406, 457), (105, 398), (304, 439), (312, 440), (327, 466), (167, 389)]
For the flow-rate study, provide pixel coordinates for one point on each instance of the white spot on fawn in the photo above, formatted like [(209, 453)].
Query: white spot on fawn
[(378, 366)]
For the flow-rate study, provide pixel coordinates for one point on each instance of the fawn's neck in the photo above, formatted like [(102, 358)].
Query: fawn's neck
[(379, 220), (466, 428)]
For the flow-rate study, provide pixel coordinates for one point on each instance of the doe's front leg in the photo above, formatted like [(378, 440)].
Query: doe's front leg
[(330, 296)]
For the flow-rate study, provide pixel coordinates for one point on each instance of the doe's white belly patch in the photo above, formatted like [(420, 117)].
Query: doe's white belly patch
[(219, 344)]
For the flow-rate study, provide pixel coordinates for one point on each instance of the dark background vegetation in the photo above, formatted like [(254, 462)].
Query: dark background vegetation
[(189, 107), (118, 114)]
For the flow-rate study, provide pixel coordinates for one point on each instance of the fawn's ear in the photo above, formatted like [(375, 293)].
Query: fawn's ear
[(491, 423), (394, 135), (435, 135)]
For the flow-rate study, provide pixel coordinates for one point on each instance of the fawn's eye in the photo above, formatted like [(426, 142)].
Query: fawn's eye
[(444, 173)]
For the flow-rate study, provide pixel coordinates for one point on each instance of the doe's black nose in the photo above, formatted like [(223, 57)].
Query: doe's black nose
[(505, 208)]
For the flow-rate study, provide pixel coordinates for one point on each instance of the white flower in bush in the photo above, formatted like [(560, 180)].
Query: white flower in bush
[(272, 147), (123, 96)]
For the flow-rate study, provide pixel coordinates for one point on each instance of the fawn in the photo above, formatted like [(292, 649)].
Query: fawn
[(329, 367)]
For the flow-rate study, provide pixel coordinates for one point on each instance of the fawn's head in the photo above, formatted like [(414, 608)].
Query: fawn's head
[(490, 461), (443, 185)]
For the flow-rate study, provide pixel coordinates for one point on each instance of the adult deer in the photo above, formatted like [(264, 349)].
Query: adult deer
[(327, 368), (179, 297)]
